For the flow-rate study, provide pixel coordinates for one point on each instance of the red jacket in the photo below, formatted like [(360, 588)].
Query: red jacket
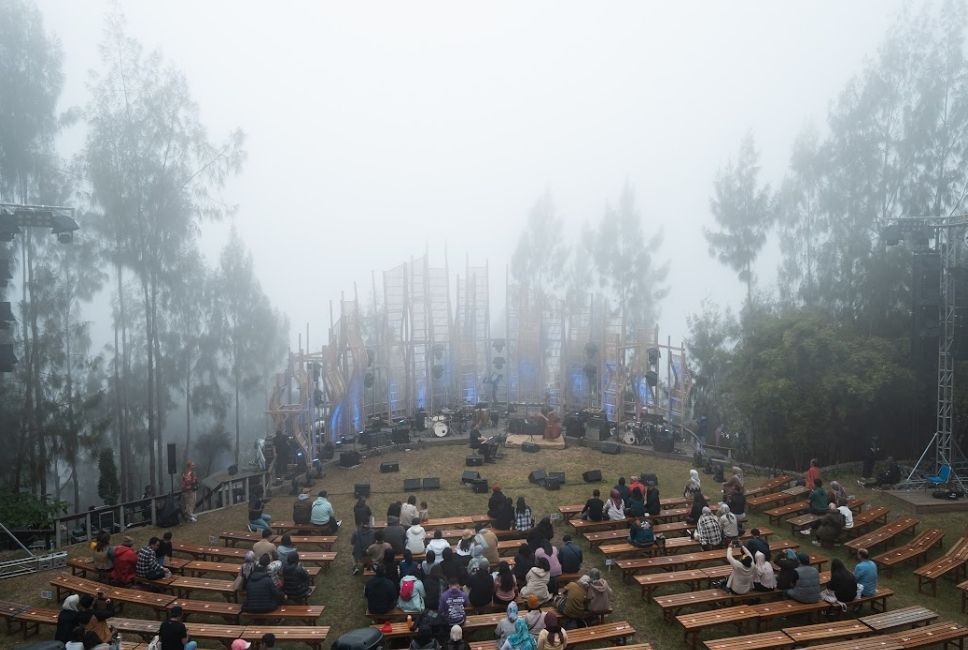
[(125, 560)]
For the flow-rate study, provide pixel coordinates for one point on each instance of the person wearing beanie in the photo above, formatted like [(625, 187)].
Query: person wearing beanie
[(302, 509), (534, 618), (456, 641)]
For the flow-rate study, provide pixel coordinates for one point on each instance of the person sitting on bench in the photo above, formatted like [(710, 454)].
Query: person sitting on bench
[(484, 446), (642, 535), (594, 507), (261, 593), (323, 514), (147, 566), (817, 501)]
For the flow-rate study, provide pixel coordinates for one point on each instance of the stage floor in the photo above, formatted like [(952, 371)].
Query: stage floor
[(921, 502), (517, 439)]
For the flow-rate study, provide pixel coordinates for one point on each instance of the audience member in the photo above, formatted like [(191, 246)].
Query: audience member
[(323, 515), (393, 511), (594, 507), (550, 553), (389, 564), (480, 587), (817, 499), (504, 519), (416, 538), (615, 507), (173, 635), (495, 502), (599, 593), (424, 511), (262, 595), (764, 579), (245, 571), (453, 603), (740, 579), (813, 473), (552, 637), (505, 626), (523, 561), (147, 566), (67, 617), (164, 550), (757, 543), (437, 545), (865, 571), (409, 514), (265, 546), (285, 548), (302, 509), (101, 554), (572, 599), (536, 580), (380, 592), (889, 475), (653, 505), (363, 537), (570, 555), (806, 589), (477, 562), (407, 564), (456, 641), (395, 535), (463, 548), (295, 579), (635, 506), (622, 489), (788, 562), (488, 540), (729, 523), (258, 519), (523, 517), (837, 494), (412, 594), (709, 532), (534, 617), (693, 485), (505, 586), (842, 586), (125, 559), (362, 513), (695, 511)]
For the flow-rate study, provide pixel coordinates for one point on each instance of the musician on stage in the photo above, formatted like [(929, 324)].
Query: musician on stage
[(552, 424), (486, 447)]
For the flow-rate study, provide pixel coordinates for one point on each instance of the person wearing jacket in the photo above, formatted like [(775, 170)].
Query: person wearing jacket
[(504, 517), (788, 563), (380, 592), (125, 561), (536, 581), (653, 504), (453, 603), (615, 507), (729, 523), (807, 587), (599, 593), (69, 615), (363, 537), (302, 509), (361, 512), (415, 603), (763, 577), (842, 584), (635, 506), (323, 515), (740, 579), (569, 555), (830, 527), (395, 535), (487, 540), (505, 586), (409, 515), (295, 579), (523, 561), (480, 588), (416, 539), (505, 626), (709, 532), (261, 594), (575, 593), (553, 637)]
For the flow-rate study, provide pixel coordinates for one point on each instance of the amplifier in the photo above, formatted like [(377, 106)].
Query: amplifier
[(473, 461), (349, 458), (389, 466)]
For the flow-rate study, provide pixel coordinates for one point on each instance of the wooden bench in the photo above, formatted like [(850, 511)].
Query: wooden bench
[(82, 565), (774, 484), (590, 634), (649, 582), (673, 604), (916, 549), (672, 545), (865, 518), (776, 498), (183, 586), (201, 567), (670, 530), (963, 587), (803, 634), (233, 537), (72, 584), (779, 512), (313, 636), (951, 562), (28, 619), (760, 641), (400, 629), (883, 642), (324, 558), (630, 567), (884, 534), (803, 521), (232, 612), (574, 509), (904, 617), (944, 634)]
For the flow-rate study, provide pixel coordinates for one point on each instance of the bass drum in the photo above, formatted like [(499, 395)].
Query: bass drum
[(628, 436), (441, 429)]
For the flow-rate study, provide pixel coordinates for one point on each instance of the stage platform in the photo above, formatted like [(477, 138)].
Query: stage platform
[(517, 439), (920, 502)]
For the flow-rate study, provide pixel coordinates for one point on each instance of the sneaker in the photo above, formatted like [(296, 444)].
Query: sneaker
[(356, 570), (815, 543), (194, 518), (805, 531), (339, 522)]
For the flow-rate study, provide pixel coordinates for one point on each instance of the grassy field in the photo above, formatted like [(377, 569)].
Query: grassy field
[(341, 592)]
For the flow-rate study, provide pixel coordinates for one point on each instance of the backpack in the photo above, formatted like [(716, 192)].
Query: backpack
[(406, 589)]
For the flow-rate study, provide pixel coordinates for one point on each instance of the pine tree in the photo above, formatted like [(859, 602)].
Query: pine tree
[(108, 487)]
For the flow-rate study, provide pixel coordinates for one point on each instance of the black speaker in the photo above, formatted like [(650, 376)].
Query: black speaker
[(172, 459), (610, 448), (604, 430), (349, 458), (574, 426), (389, 466), (473, 461), (469, 477), (530, 448), (559, 476), (649, 479), (552, 483), (400, 434), (411, 484), (431, 483), (361, 490), (592, 476), (536, 476), (480, 486), (664, 441)]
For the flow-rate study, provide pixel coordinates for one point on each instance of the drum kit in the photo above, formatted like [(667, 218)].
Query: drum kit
[(449, 421)]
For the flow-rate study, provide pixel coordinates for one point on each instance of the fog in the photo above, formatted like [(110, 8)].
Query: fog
[(378, 130)]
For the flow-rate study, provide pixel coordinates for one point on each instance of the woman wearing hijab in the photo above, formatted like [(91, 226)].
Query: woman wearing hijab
[(520, 639), (553, 637), (695, 512), (457, 641), (615, 507), (763, 577), (729, 523), (837, 495), (693, 485), (477, 561), (505, 627), (248, 566)]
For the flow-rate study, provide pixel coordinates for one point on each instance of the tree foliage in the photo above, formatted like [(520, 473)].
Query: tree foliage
[(108, 487)]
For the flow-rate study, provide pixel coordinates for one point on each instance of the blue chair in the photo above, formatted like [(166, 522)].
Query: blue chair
[(943, 475)]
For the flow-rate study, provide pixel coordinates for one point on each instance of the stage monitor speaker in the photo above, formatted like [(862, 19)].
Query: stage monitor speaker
[(349, 458), (574, 427), (552, 483), (400, 434), (468, 477), (649, 478), (604, 430), (361, 490), (536, 476), (560, 476), (530, 448), (611, 448), (389, 466), (431, 483), (592, 476), (411, 484), (664, 441), (172, 459), (480, 486), (233, 470), (473, 461)]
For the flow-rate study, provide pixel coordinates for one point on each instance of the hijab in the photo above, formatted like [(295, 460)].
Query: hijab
[(724, 512), (456, 634), (738, 473), (555, 636), (521, 638), (616, 498), (512, 611), (694, 477)]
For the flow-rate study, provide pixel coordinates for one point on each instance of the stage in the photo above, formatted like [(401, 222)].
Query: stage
[(921, 502), (517, 439)]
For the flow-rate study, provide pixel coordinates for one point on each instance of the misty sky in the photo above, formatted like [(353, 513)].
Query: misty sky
[(378, 129)]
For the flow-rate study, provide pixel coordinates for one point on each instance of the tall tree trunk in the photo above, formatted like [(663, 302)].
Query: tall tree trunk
[(34, 369), (188, 403), (121, 374), (159, 404), (152, 458), (71, 422), (26, 417)]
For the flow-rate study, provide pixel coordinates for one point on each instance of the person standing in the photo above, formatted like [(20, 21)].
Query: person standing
[(189, 486), (813, 473)]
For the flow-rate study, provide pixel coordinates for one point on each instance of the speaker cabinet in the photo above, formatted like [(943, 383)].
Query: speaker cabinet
[(389, 466), (480, 486), (469, 477), (552, 483), (611, 448), (664, 441), (361, 490), (172, 459), (411, 484), (592, 476), (536, 476), (349, 458), (558, 476), (400, 434), (431, 483), (530, 448), (473, 461)]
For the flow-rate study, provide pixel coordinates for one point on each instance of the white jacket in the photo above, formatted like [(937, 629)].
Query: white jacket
[(416, 536)]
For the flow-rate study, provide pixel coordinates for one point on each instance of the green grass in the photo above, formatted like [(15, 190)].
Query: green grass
[(341, 592)]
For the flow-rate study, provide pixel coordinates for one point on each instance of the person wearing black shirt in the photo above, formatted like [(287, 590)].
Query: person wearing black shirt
[(164, 548), (594, 507), (757, 543), (652, 504), (623, 489), (505, 515), (173, 635), (495, 502), (361, 512), (480, 588), (380, 593)]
